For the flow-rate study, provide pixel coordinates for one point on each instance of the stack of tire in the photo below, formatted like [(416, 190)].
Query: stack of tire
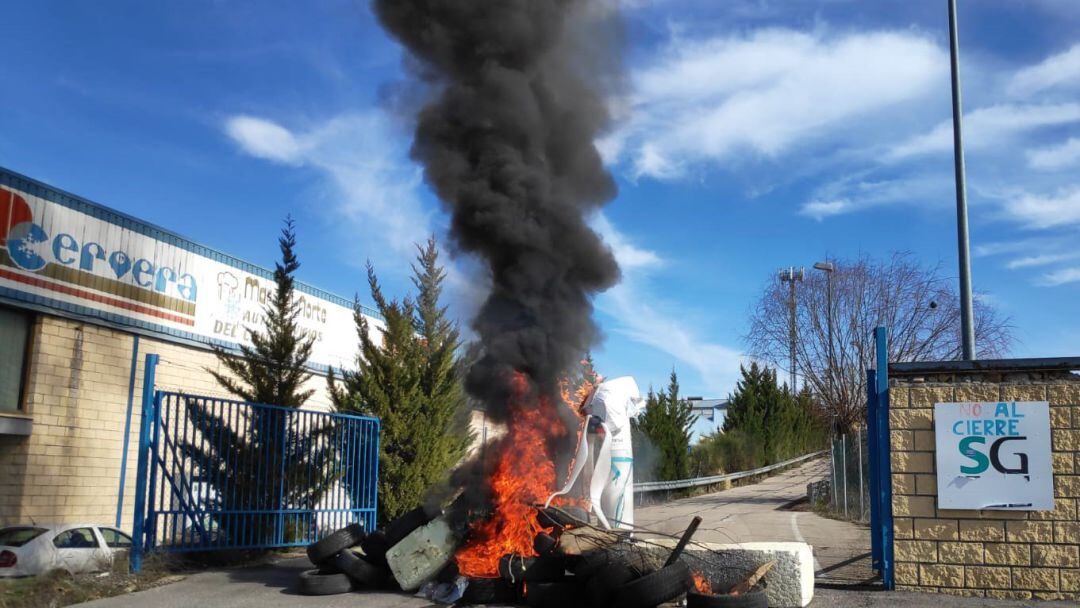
[(351, 560), (602, 579), (598, 579)]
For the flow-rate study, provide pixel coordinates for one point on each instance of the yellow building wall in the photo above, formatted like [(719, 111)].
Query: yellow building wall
[(68, 468)]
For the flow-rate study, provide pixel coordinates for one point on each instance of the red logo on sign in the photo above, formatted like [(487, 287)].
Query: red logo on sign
[(13, 211)]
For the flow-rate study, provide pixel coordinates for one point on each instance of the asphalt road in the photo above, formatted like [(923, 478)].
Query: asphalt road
[(758, 512), (754, 512)]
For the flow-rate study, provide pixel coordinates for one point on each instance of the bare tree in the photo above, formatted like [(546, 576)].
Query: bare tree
[(918, 305)]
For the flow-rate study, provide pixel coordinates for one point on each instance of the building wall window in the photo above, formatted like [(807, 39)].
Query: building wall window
[(14, 340)]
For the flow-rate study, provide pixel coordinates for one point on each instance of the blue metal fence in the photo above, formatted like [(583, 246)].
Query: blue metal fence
[(220, 474), (877, 411)]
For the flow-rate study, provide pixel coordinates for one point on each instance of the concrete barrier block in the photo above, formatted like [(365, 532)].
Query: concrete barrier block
[(789, 584)]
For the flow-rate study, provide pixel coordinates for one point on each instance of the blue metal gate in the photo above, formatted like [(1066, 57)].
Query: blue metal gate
[(220, 474), (877, 423)]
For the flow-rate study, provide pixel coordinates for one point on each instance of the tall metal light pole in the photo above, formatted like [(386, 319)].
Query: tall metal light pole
[(828, 268), (967, 331), (791, 275)]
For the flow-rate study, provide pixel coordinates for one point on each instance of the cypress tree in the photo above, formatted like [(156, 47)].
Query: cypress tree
[(666, 424), (262, 462), (409, 376), (770, 417), (273, 368)]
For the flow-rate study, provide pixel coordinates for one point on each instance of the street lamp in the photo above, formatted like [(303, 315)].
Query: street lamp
[(967, 323), (791, 275), (828, 268)]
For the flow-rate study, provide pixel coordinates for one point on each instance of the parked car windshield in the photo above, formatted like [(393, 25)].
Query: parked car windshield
[(115, 538), (78, 538), (19, 536)]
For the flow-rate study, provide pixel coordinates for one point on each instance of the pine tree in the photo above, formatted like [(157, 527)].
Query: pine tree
[(273, 368), (770, 417), (411, 380), (261, 460), (444, 403), (666, 424)]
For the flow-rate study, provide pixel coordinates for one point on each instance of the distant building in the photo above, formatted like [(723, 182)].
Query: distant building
[(710, 417)]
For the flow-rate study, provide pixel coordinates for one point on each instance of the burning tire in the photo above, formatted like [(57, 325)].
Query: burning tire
[(562, 517), (329, 546), (590, 563), (489, 591), (754, 598), (358, 570), (543, 569), (556, 595), (314, 582), (603, 585), (544, 543), (654, 589)]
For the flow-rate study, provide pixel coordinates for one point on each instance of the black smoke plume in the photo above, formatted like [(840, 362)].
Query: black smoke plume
[(507, 142)]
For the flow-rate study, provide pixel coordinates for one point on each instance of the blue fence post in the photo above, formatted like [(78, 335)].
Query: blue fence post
[(375, 476), (280, 504), (146, 430), (885, 521), (127, 431), (874, 441)]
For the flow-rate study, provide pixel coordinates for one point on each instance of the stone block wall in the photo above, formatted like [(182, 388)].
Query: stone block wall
[(1001, 554)]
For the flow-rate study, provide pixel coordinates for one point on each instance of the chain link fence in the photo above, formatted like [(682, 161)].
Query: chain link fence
[(849, 482)]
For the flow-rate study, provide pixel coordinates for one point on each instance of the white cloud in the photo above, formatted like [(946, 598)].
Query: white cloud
[(988, 127), (1043, 259), (707, 100), (855, 193), (629, 256), (377, 188), (1051, 158), (1062, 69), (631, 304), (264, 139), (1038, 212), (1060, 277), (820, 210)]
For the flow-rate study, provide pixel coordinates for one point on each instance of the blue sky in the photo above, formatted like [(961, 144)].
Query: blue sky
[(756, 134)]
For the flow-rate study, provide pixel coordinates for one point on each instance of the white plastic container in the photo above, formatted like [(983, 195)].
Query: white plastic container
[(422, 554)]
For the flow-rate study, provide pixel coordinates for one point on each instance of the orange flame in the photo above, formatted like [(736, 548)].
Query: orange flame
[(524, 475), (701, 584)]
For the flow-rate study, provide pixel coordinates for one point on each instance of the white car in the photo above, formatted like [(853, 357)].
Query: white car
[(73, 548)]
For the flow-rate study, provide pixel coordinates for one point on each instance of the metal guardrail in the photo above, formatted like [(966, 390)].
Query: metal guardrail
[(656, 486)]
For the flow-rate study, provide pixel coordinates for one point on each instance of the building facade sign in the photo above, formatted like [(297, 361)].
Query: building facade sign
[(994, 456), (62, 252)]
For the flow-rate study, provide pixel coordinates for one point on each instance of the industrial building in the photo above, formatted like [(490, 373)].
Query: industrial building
[(85, 293)]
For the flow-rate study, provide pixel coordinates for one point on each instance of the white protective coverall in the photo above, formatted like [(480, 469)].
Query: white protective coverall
[(611, 491)]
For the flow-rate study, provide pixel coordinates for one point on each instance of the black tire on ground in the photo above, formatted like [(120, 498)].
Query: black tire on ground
[(755, 598), (328, 567), (607, 581), (578, 515), (334, 543), (562, 517), (546, 569), (654, 589), (313, 583), (556, 595), (375, 547), (404, 525), (489, 591), (589, 563), (359, 571), (544, 543)]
